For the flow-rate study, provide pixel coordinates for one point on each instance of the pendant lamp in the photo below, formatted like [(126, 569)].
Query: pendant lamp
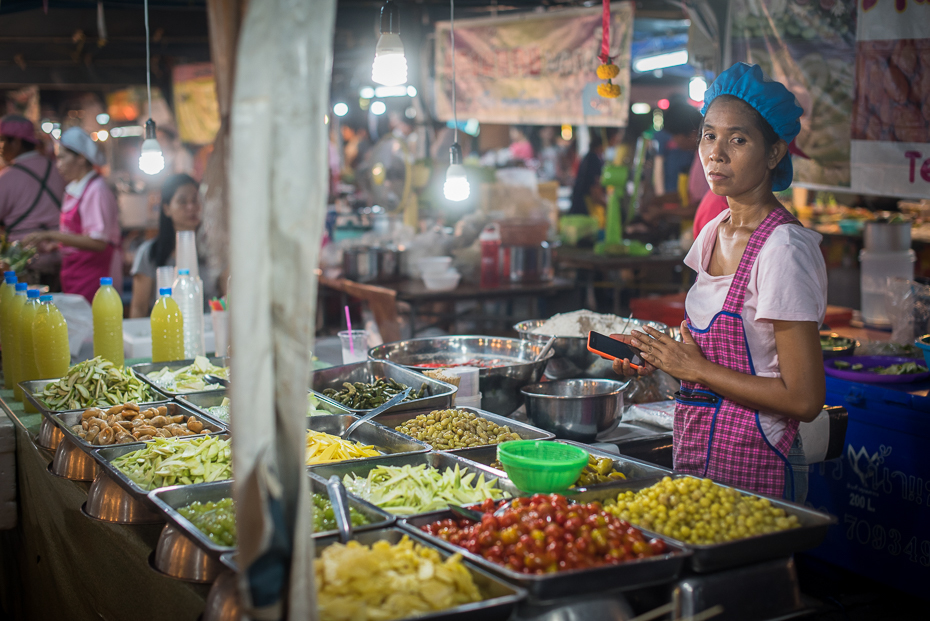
[(456, 187), (390, 65), (151, 161)]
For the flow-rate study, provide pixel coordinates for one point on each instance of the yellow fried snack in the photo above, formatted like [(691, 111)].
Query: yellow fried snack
[(606, 72), (323, 448), (383, 582)]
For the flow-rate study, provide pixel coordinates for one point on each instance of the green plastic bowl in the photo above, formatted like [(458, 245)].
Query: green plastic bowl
[(540, 466)]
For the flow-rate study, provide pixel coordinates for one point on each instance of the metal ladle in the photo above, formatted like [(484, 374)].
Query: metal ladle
[(378, 410), (340, 502)]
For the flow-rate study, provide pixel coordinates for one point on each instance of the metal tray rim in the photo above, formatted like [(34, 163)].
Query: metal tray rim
[(424, 448)]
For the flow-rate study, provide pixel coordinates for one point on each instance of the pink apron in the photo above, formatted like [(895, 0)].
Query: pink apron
[(81, 270), (714, 437)]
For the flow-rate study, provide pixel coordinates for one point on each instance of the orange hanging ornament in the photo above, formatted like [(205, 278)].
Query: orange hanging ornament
[(607, 70)]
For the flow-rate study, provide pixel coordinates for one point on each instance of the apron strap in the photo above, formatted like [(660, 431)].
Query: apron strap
[(737, 292), (43, 188)]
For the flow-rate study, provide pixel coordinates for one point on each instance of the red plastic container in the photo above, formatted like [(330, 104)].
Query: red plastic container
[(667, 309)]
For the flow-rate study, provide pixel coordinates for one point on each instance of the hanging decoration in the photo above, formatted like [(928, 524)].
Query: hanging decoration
[(607, 70)]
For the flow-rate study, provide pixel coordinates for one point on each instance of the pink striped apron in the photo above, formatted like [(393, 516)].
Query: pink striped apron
[(713, 436)]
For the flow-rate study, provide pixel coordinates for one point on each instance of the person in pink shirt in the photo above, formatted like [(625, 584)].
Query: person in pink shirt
[(30, 186), (89, 233)]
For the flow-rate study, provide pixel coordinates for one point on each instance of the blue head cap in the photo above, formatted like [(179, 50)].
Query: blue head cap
[(772, 100), (47, 297), (33, 294), (21, 286), (9, 277)]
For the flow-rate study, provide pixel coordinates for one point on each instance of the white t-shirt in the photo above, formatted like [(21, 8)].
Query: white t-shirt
[(787, 282)]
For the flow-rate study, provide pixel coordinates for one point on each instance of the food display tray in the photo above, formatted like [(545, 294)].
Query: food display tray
[(361, 468), (32, 389), (632, 468), (105, 457), (145, 368), (440, 393), (636, 574), (707, 558), (527, 432), (169, 499), (203, 401), (65, 420), (501, 598), (387, 441)]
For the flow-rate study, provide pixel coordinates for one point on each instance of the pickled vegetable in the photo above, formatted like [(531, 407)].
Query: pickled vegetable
[(95, 382), (323, 448), (383, 581), (189, 378), (455, 429), (217, 520), (408, 490), (177, 461), (700, 512), (367, 396)]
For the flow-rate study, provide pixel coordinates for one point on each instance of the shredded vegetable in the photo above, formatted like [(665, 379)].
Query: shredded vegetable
[(175, 461), (189, 378), (323, 448), (408, 490)]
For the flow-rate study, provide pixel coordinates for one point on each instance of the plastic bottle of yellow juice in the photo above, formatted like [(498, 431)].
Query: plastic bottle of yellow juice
[(28, 370), (7, 292), (50, 340), (108, 323), (167, 329), (12, 332)]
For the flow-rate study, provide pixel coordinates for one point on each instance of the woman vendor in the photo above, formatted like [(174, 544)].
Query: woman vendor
[(181, 210), (89, 233), (750, 363)]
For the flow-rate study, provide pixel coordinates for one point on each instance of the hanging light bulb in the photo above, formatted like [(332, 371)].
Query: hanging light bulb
[(390, 65), (456, 187), (151, 161)]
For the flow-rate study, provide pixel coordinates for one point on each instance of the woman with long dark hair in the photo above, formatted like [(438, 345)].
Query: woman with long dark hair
[(181, 210)]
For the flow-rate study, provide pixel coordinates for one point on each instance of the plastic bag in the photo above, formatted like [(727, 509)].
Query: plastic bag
[(80, 318), (661, 414), (660, 386), (908, 307)]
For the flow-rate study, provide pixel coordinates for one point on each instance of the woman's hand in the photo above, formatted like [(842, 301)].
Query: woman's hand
[(44, 241), (680, 360), (623, 367)]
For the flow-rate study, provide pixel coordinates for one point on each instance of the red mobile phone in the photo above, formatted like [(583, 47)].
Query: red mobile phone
[(612, 349)]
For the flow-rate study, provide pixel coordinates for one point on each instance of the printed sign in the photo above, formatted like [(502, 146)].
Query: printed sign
[(195, 103), (534, 69), (891, 113)]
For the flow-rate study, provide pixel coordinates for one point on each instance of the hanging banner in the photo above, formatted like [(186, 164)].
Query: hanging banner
[(810, 47), (195, 103), (535, 68), (891, 117)]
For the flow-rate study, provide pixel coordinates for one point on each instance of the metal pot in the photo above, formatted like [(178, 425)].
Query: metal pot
[(575, 409), (526, 264), (369, 264)]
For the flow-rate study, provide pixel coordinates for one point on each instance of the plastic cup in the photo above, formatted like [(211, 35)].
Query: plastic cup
[(220, 331), (354, 346), (186, 252), (164, 277)]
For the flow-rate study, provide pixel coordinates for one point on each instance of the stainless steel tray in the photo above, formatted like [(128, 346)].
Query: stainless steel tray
[(433, 460), (169, 499), (105, 457), (203, 401), (500, 597), (707, 558), (143, 369), (32, 389), (440, 393), (624, 577), (65, 420), (527, 432), (632, 468), (387, 441)]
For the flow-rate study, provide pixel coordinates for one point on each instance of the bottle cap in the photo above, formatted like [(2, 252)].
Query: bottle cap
[(106, 280), (33, 294), (46, 298), (184, 272), (164, 291), (21, 286), (10, 278)]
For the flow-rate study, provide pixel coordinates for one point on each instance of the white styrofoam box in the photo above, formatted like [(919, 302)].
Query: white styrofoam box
[(137, 337)]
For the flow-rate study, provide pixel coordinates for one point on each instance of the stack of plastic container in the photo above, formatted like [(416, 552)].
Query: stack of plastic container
[(887, 254), (187, 291)]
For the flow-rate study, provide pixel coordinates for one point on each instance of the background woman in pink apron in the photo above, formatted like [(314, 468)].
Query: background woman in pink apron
[(750, 363), (89, 232)]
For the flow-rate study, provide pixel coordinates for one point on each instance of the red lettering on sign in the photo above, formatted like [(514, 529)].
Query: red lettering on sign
[(912, 155), (925, 170)]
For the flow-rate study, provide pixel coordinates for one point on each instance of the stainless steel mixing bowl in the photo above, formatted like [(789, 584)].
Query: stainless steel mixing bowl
[(109, 502), (571, 357), (499, 386), (179, 556), (72, 463), (575, 409)]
